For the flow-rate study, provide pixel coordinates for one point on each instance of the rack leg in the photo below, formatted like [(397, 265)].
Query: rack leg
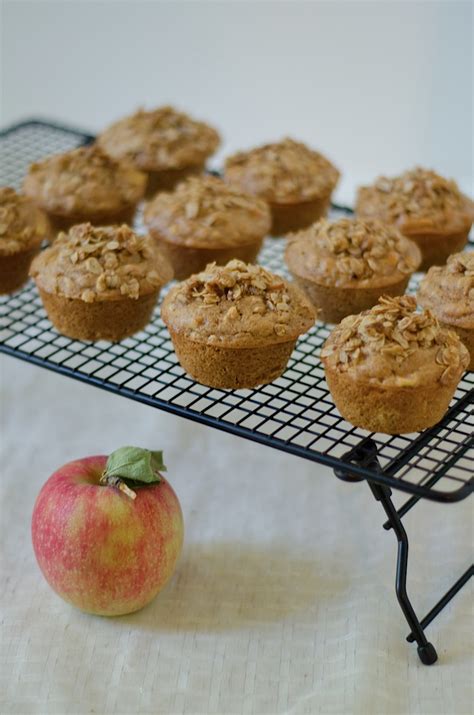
[(426, 650)]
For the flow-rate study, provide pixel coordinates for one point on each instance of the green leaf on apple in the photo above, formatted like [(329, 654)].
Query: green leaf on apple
[(135, 465)]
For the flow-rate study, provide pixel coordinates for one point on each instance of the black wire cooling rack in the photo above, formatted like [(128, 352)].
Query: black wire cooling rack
[(294, 414)]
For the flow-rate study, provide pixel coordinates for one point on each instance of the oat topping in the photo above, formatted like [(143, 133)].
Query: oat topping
[(105, 263), (237, 280), (284, 172), (238, 302), (449, 290), (204, 211), (84, 180), (393, 334), (22, 225), (415, 194), (351, 251), (162, 138)]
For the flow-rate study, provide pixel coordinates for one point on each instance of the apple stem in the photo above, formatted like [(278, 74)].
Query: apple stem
[(110, 481)]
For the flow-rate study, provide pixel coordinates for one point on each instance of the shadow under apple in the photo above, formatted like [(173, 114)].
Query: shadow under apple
[(222, 586)]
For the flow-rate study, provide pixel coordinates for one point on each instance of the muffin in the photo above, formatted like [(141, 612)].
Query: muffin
[(392, 370), (296, 181), (448, 291), (22, 228), (85, 185), (204, 220), (100, 283), (168, 145), (425, 207), (345, 266), (235, 326)]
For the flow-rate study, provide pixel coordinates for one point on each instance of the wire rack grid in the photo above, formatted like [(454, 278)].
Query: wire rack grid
[(295, 413)]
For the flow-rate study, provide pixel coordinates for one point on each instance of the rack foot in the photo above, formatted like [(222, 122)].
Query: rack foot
[(365, 454), (427, 654), (444, 600), (426, 650)]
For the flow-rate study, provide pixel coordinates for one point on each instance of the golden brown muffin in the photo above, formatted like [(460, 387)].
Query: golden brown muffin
[(168, 145), (425, 207), (23, 227), (235, 326), (203, 221), (100, 283), (296, 181), (345, 266), (448, 291), (85, 185), (392, 370)]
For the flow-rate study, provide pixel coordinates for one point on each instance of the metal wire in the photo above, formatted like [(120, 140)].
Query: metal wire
[(295, 413)]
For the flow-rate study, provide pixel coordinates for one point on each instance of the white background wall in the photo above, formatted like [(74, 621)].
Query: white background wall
[(377, 86)]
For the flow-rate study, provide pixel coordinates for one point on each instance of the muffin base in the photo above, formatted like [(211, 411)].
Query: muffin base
[(64, 223), (466, 336), (437, 247), (111, 320), (391, 410), (293, 217), (14, 269), (167, 179), (231, 368), (187, 260), (335, 303)]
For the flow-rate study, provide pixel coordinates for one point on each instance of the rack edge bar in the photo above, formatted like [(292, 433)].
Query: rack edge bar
[(318, 457)]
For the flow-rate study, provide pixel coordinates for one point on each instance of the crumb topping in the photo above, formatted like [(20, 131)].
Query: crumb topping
[(162, 138), (449, 290), (461, 263), (352, 252), (414, 195), (104, 263), (398, 345), (22, 224), (283, 172), (238, 303), (204, 211), (84, 180)]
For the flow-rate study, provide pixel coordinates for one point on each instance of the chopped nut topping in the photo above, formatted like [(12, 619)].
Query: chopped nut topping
[(393, 329), (205, 211), (415, 194), (97, 263), (162, 138), (351, 250), (22, 225), (285, 171)]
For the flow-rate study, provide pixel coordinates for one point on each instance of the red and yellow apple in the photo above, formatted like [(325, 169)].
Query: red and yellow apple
[(100, 550)]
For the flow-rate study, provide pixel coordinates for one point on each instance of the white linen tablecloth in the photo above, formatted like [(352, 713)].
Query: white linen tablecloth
[(282, 601)]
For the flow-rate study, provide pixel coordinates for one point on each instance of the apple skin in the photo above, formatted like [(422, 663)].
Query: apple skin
[(100, 550)]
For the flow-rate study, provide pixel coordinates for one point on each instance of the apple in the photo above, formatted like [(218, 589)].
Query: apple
[(107, 550)]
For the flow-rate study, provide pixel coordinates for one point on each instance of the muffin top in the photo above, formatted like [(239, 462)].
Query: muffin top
[(207, 213), (394, 346), (22, 224), (418, 200), (84, 180), (96, 264), (159, 139), (238, 305), (352, 253), (285, 172), (449, 290)]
